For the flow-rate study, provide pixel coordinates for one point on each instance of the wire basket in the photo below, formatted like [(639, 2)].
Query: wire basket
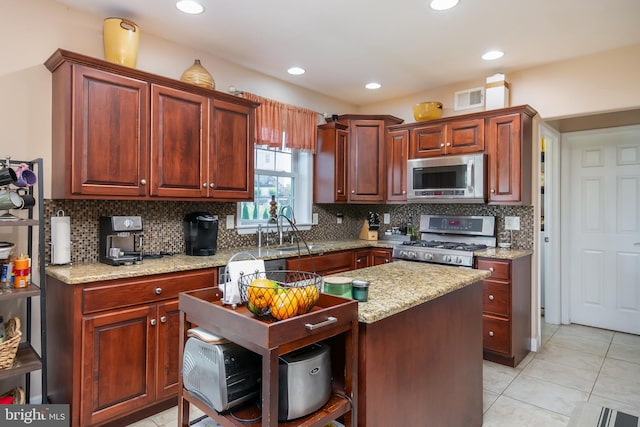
[(9, 347), (280, 293)]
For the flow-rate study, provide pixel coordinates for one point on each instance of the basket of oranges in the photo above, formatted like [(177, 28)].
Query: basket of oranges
[(280, 294)]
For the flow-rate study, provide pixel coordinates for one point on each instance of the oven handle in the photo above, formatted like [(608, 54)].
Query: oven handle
[(470, 175)]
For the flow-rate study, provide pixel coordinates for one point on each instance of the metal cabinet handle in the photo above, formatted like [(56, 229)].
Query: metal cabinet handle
[(329, 321), (204, 185), (158, 291), (143, 182), (163, 319), (493, 190), (491, 269), (490, 333), (353, 191), (212, 185), (386, 260), (153, 322), (442, 145), (404, 191), (448, 144), (339, 191), (491, 298)]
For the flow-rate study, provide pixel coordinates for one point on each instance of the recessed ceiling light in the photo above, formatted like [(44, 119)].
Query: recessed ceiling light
[(191, 7), (493, 54), (373, 85), (296, 71), (443, 4)]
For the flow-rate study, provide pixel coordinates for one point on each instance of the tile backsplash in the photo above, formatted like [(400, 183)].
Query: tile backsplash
[(163, 222)]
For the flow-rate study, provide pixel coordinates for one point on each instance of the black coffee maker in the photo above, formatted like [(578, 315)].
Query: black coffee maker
[(200, 234)]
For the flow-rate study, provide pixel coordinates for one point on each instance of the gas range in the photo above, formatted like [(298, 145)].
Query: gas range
[(449, 240)]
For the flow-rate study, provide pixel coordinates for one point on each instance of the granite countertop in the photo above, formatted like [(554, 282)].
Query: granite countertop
[(97, 271), (401, 285), (502, 253)]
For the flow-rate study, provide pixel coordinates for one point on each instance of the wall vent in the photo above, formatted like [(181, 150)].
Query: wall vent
[(469, 98)]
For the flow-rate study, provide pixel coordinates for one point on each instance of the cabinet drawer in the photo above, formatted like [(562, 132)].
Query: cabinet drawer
[(499, 269), (496, 298), (121, 293), (324, 264), (496, 335)]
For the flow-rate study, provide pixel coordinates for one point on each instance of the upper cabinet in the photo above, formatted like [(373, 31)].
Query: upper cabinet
[(126, 134), (356, 158), (448, 137), (396, 156)]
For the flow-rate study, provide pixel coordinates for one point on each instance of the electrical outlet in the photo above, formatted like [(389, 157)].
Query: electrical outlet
[(339, 218), (314, 218), (386, 218), (512, 223), (231, 222)]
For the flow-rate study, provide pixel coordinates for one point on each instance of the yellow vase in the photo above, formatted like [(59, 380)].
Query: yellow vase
[(121, 41), (198, 75)]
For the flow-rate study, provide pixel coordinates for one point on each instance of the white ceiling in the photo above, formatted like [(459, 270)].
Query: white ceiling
[(402, 44)]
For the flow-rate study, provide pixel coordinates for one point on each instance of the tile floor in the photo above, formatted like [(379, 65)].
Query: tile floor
[(576, 364)]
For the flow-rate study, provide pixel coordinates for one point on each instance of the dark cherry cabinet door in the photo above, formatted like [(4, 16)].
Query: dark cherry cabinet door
[(397, 151), (330, 172), (230, 175), (380, 256), (119, 358), (179, 137), (366, 158), (427, 141), (507, 162), (168, 366), (342, 166), (109, 147), (465, 136)]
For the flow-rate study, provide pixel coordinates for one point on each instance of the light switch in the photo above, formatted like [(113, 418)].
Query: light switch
[(314, 218), (231, 222), (386, 218), (512, 223)]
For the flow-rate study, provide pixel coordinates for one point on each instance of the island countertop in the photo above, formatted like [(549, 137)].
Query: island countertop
[(401, 285)]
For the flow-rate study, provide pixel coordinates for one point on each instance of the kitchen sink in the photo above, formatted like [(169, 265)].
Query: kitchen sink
[(302, 248)]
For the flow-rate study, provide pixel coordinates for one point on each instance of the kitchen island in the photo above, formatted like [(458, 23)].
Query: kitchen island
[(420, 346)]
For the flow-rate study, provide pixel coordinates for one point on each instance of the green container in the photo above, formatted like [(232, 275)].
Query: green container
[(337, 285)]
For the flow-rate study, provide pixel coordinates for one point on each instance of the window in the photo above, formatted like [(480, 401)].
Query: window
[(285, 174)]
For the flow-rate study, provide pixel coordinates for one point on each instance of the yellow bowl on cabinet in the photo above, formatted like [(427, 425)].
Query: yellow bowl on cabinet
[(427, 110)]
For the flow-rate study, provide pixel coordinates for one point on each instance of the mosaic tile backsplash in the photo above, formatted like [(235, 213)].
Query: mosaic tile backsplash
[(163, 222)]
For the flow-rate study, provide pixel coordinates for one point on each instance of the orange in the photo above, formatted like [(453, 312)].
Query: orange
[(303, 300), (284, 305), (312, 294), (260, 292)]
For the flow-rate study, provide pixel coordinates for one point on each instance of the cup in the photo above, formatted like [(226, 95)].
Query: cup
[(28, 201), (10, 200), (360, 290), (25, 176), (7, 176)]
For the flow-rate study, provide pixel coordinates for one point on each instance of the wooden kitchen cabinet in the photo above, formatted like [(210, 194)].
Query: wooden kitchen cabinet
[(122, 133), (333, 320), (509, 156), (396, 157), (369, 257), (323, 264), (114, 349), (506, 309), (331, 164), (447, 136)]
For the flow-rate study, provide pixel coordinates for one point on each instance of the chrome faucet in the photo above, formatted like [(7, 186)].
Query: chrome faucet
[(285, 211), (266, 228)]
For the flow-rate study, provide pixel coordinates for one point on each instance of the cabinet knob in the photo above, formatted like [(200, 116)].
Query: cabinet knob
[(404, 191), (204, 185), (143, 182), (448, 144), (163, 319), (153, 322), (441, 144), (158, 291), (212, 185), (491, 269), (490, 333), (339, 191), (386, 260), (493, 190), (491, 298), (353, 191)]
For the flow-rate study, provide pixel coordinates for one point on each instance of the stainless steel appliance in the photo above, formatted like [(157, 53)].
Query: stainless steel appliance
[(449, 240), (200, 234), (120, 240), (447, 179)]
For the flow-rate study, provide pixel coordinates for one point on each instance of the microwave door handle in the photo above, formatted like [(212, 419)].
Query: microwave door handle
[(470, 175)]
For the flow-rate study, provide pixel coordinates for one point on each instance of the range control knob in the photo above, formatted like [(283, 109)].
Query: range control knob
[(428, 256), (446, 258), (127, 223), (458, 260)]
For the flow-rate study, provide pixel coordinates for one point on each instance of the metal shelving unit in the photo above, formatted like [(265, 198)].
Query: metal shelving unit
[(28, 359)]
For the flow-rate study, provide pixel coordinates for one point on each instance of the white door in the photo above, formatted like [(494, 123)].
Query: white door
[(601, 199)]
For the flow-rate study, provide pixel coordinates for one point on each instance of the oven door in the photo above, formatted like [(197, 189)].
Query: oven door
[(447, 179)]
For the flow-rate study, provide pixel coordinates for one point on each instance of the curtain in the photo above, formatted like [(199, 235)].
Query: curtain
[(273, 119)]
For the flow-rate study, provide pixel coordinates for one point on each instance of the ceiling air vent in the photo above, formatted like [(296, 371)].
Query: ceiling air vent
[(470, 98)]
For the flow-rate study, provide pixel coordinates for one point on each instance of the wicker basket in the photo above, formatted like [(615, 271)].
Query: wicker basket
[(9, 347), (15, 396)]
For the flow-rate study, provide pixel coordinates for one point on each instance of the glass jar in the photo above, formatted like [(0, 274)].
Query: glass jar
[(337, 285)]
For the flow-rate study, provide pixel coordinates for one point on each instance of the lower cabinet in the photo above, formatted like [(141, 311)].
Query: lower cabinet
[(369, 257), (323, 264), (506, 309), (124, 338)]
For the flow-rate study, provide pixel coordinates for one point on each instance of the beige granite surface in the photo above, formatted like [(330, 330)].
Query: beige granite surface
[(401, 285), (96, 271), (500, 253)]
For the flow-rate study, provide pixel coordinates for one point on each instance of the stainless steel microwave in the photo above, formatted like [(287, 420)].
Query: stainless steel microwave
[(447, 179)]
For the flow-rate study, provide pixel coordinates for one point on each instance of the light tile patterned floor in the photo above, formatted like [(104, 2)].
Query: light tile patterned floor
[(576, 364)]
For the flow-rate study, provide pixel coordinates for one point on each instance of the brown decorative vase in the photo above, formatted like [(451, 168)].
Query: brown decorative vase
[(198, 75)]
